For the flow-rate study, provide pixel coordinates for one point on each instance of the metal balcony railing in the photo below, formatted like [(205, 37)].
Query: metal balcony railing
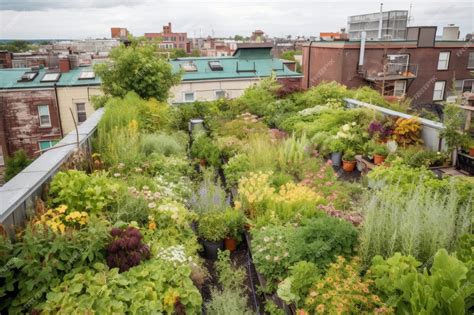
[(391, 71)]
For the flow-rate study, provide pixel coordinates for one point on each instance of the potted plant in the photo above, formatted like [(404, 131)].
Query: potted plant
[(380, 153), (212, 229), (469, 145), (348, 160), (234, 220), (336, 146)]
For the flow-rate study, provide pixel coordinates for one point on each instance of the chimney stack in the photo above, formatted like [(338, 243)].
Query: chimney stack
[(64, 65)]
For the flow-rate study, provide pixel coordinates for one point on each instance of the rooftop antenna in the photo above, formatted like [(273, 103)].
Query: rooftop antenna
[(380, 21)]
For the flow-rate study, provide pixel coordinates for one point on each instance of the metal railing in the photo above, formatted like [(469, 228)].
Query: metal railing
[(18, 195), (393, 70), (430, 132)]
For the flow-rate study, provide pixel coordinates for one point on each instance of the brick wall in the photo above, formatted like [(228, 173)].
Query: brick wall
[(20, 124)]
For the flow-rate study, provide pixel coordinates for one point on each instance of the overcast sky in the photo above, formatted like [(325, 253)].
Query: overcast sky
[(49, 19)]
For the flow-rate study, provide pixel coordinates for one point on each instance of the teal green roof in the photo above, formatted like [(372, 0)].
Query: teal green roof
[(246, 63), (9, 79)]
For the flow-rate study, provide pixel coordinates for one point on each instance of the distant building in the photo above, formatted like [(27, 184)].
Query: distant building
[(36, 105), (171, 40), (420, 67), (119, 33), (211, 78), (5, 59), (333, 36), (258, 36), (394, 25), (212, 47)]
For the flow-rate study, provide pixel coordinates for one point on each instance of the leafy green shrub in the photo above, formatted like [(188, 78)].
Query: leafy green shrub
[(212, 226), (235, 168), (230, 276), (80, 191), (204, 148), (416, 221), (209, 196), (442, 290), (296, 287), (259, 99), (321, 240), (162, 144), (16, 164), (154, 286), (235, 223), (324, 93), (41, 258)]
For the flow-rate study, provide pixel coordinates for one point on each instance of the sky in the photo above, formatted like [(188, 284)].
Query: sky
[(78, 19)]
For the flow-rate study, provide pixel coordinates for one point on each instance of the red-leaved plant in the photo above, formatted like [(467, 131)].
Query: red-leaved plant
[(126, 249)]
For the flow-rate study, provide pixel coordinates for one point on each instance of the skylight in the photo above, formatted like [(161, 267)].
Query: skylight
[(87, 75), (215, 65), (29, 76), (51, 77), (189, 67)]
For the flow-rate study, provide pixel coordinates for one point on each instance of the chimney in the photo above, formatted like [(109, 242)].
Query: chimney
[(64, 65)]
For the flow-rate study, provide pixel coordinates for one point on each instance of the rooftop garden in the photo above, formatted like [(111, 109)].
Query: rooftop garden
[(161, 217)]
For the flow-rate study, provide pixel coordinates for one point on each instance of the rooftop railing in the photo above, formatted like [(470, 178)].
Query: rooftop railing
[(393, 71), (18, 195)]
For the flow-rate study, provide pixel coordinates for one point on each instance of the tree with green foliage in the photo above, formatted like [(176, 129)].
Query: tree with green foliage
[(239, 37), (16, 164), (137, 68), (195, 53), (16, 46), (290, 55)]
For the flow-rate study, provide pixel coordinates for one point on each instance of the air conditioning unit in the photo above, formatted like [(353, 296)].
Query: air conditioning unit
[(451, 99)]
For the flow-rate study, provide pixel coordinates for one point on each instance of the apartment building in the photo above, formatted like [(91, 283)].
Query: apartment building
[(394, 25), (211, 78), (171, 40), (120, 33), (39, 105), (422, 68)]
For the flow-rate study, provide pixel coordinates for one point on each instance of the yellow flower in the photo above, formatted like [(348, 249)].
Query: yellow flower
[(152, 225), (61, 209), (320, 308)]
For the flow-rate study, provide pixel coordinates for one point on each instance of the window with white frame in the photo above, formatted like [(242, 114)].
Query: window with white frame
[(220, 94), (438, 93), (399, 88), (470, 62), (188, 96), (81, 112), (443, 60), (44, 117)]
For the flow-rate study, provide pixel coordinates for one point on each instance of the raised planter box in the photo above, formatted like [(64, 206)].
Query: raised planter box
[(465, 163)]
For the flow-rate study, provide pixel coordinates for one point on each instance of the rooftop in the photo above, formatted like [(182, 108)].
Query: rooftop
[(9, 78), (245, 63)]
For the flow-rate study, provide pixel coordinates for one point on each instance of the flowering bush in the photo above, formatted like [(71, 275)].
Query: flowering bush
[(254, 191), (59, 218), (271, 252), (126, 249), (342, 291)]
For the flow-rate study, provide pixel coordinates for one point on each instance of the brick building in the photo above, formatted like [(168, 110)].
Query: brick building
[(171, 40), (36, 106), (119, 33), (420, 67), (5, 59)]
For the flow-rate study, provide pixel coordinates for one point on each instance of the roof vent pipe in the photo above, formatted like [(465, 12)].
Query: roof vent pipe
[(381, 21), (363, 37)]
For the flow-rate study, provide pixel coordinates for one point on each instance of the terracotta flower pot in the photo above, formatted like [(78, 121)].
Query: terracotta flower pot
[(202, 162), (230, 244), (348, 166), (379, 159), (471, 151)]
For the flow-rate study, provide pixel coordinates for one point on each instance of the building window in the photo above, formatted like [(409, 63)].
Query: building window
[(438, 93), (220, 94), (443, 60), (188, 97), (81, 112), (46, 144), (399, 88), (468, 86), (470, 62), (44, 117)]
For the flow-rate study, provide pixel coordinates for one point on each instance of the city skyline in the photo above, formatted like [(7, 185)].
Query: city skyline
[(38, 19)]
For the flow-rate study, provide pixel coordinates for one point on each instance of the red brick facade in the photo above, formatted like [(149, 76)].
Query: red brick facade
[(338, 61), (20, 123), (169, 39), (5, 59)]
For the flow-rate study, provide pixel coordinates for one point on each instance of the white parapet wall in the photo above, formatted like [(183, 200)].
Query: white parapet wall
[(430, 132)]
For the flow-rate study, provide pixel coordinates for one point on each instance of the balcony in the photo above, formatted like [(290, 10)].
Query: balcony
[(393, 71)]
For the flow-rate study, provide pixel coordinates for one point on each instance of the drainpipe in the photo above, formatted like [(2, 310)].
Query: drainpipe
[(309, 63), (59, 110)]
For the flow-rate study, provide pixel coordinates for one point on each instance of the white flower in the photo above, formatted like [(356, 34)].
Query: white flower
[(117, 174), (276, 258), (268, 257), (353, 123), (346, 127), (151, 205), (266, 239)]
